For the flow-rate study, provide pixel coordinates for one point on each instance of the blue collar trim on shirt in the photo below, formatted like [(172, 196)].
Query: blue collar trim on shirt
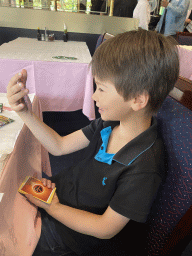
[(102, 156), (132, 150)]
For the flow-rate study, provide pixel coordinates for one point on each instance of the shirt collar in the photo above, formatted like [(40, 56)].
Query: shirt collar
[(133, 149)]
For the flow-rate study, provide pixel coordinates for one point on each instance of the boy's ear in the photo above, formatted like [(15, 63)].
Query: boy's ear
[(140, 101)]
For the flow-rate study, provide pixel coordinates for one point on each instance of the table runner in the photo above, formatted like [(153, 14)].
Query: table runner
[(31, 49), (20, 223)]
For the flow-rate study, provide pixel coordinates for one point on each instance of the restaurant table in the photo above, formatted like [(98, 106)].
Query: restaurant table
[(185, 56), (59, 84), (20, 222)]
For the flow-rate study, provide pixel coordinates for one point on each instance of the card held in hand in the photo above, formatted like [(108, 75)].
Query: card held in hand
[(35, 187)]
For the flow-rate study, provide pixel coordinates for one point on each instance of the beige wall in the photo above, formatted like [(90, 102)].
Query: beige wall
[(76, 22)]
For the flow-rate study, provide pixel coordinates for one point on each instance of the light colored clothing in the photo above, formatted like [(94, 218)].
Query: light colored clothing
[(175, 17), (188, 14), (142, 13)]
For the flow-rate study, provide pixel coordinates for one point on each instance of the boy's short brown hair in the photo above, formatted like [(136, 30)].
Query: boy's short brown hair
[(136, 62)]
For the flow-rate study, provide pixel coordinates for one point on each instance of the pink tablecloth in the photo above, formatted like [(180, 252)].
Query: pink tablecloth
[(59, 86), (185, 56), (20, 225)]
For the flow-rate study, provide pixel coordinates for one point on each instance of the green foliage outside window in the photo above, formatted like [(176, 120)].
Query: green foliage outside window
[(62, 5)]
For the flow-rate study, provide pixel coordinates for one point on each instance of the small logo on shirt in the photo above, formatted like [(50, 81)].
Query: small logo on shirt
[(103, 181)]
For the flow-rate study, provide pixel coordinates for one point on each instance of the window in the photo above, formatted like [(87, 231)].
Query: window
[(60, 5)]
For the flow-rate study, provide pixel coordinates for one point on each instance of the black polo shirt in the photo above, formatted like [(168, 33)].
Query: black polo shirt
[(128, 184)]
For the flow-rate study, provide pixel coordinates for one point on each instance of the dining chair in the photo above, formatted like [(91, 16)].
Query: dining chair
[(184, 85), (168, 224), (102, 38)]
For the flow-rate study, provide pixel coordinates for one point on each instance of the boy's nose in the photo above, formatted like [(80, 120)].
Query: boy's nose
[(94, 96)]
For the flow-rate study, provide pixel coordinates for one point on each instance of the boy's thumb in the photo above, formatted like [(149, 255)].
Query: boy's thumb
[(28, 196)]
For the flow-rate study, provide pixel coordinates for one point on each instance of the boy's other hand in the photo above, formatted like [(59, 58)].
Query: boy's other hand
[(47, 183), (16, 90), (40, 203)]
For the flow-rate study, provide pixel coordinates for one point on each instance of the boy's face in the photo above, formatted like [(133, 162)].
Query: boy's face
[(111, 104)]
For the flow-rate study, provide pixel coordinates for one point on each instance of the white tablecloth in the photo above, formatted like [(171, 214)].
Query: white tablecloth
[(32, 49), (10, 132)]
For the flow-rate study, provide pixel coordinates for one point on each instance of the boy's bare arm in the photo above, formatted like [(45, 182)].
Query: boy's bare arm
[(103, 226), (51, 140)]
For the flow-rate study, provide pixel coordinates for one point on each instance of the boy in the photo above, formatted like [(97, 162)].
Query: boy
[(113, 187)]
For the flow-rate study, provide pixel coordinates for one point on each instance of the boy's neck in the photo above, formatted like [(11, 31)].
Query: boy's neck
[(133, 126)]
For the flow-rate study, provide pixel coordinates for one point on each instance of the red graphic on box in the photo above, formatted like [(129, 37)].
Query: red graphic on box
[(35, 187)]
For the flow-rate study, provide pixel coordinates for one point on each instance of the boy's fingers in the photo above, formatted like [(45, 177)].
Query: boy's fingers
[(29, 197), (24, 75), (19, 77), (14, 80), (44, 181), (14, 98), (48, 183)]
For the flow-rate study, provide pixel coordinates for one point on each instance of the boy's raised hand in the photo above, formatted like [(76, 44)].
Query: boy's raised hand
[(16, 90)]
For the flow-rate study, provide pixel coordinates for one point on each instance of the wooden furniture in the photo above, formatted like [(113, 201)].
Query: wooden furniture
[(183, 92)]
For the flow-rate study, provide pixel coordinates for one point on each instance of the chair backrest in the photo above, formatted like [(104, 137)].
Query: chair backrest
[(183, 92), (174, 197), (102, 38), (183, 34)]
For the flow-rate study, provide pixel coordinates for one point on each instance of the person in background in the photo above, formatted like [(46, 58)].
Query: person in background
[(96, 6), (124, 8), (187, 21), (142, 13), (173, 18)]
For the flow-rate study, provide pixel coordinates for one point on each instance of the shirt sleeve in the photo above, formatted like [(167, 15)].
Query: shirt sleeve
[(134, 195), (190, 16), (90, 129)]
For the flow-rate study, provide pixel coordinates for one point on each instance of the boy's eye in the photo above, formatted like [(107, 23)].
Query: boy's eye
[(100, 90)]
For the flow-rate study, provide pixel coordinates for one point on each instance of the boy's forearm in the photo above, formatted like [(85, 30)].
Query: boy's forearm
[(44, 134), (81, 221)]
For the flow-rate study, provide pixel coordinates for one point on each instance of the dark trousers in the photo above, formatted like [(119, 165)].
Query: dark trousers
[(50, 242)]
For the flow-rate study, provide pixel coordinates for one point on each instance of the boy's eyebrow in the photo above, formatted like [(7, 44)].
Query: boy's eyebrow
[(100, 83)]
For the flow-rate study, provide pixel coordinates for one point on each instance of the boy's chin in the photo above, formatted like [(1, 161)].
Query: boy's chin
[(108, 119)]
